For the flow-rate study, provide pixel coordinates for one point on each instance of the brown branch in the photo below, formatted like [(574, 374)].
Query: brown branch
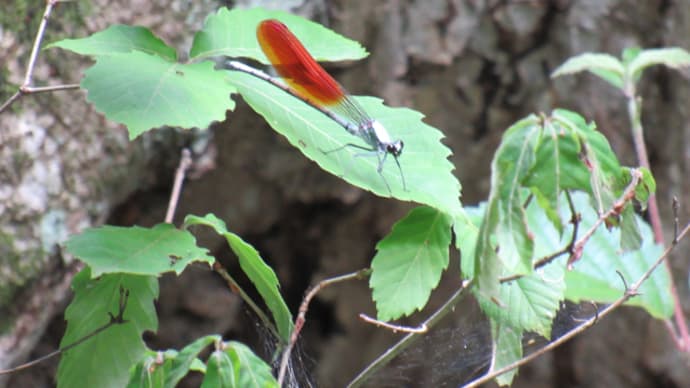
[(301, 316)]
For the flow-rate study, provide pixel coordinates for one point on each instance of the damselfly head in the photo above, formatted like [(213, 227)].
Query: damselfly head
[(384, 140), (395, 148)]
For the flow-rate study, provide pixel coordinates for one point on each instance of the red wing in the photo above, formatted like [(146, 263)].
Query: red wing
[(294, 63)]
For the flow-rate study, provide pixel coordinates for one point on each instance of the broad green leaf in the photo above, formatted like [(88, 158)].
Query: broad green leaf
[(466, 228), (529, 303), (594, 276), (220, 371), (673, 57), (105, 359), (116, 39), (427, 171), (260, 274), (183, 360), (137, 250), (145, 91), (233, 34), (504, 243), (609, 76), (603, 65), (585, 153), (167, 368), (631, 237), (544, 179), (252, 371), (507, 349), (409, 262)]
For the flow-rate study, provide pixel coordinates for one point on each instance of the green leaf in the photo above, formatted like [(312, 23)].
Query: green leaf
[(148, 373), (504, 243), (587, 161), (545, 176), (646, 188), (235, 365), (673, 57), (260, 274), (145, 91), (631, 237), (137, 250), (119, 38), (220, 372), (603, 65), (105, 359), (507, 349), (167, 368), (424, 163), (182, 362), (233, 33), (594, 276), (529, 303), (629, 54), (466, 228), (409, 262), (253, 372)]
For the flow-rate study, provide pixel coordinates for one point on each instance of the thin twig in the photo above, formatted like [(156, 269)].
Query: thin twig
[(628, 195), (629, 293), (10, 100), (301, 316), (410, 338), (676, 210), (27, 86), (185, 162), (421, 329), (114, 320), (28, 78), (235, 287), (50, 88)]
